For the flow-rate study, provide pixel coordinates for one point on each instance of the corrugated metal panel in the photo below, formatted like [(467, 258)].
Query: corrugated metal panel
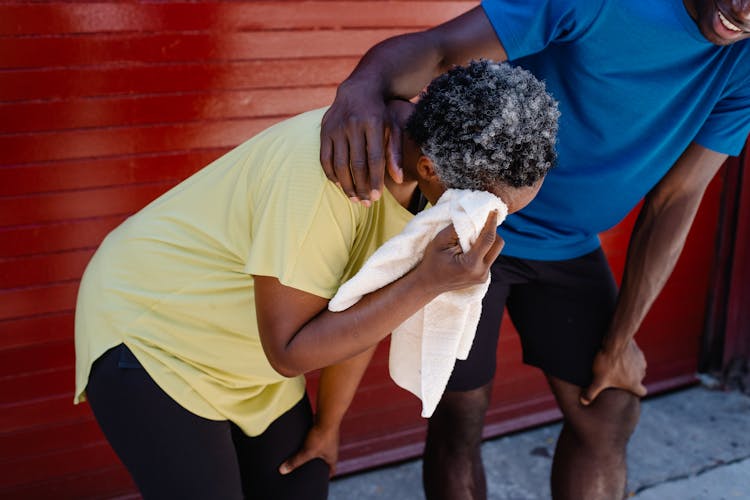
[(736, 355), (104, 106)]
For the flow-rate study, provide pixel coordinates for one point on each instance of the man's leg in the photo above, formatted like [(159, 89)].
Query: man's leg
[(562, 317), (452, 465), (589, 461)]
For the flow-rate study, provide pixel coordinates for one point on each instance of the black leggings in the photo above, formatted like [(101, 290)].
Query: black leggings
[(172, 453)]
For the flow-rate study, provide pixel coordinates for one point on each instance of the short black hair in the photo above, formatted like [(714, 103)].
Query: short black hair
[(486, 123)]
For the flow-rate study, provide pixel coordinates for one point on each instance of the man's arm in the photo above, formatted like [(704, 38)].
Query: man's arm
[(354, 129), (655, 245)]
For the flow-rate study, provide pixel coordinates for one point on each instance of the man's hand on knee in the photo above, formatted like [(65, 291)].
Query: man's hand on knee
[(624, 369)]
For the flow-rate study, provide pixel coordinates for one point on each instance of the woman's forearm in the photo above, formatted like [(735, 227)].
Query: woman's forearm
[(336, 388), (332, 337), (300, 334)]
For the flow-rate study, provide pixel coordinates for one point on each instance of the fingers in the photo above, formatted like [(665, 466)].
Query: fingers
[(326, 158), (494, 251), (486, 239), (326, 148), (393, 154), (487, 246), (374, 135), (640, 391), (589, 394), (357, 163), (447, 237), (301, 458), (334, 151), (352, 152)]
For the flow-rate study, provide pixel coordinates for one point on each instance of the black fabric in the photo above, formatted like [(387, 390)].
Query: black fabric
[(561, 310), (172, 453)]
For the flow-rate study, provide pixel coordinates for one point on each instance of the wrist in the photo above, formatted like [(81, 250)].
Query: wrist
[(425, 285), (616, 344), (361, 87), (327, 423)]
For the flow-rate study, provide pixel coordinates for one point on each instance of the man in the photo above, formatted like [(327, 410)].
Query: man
[(653, 96)]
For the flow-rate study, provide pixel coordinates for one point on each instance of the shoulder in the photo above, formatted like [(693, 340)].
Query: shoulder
[(286, 156), (299, 134), (528, 27), (580, 11), (741, 57), (290, 175)]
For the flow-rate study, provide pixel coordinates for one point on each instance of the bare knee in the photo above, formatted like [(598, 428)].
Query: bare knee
[(608, 422)]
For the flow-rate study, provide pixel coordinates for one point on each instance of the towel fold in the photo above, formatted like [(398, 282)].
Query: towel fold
[(425, 347)]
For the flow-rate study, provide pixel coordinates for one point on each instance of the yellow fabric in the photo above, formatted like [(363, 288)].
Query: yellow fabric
[(173, 281)]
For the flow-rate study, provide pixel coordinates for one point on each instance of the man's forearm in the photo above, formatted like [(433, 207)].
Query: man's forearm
[(658, 238), (655, 246), (401, 66), (398, 67)]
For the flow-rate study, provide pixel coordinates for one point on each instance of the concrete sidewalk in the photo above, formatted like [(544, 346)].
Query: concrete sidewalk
[(690, 444)]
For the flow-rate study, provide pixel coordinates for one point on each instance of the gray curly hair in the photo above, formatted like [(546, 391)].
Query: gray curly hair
[(486, 123)]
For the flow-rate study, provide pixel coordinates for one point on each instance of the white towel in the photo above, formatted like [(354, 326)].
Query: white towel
[(425, 347)]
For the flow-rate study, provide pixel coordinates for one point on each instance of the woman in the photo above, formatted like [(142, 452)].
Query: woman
[(197, 317)]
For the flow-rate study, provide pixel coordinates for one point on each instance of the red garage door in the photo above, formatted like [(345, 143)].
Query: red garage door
[(103, 106)]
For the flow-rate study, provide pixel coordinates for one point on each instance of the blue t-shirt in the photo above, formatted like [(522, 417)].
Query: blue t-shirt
[(637, 82)]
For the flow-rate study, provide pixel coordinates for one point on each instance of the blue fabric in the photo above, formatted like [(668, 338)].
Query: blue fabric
[(637, 83)]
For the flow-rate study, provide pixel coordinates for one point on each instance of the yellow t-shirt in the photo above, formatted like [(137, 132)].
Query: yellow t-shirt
[(174, 283)]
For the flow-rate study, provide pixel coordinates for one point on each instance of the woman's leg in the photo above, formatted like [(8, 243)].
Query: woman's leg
[(170, 452), (261, 456)]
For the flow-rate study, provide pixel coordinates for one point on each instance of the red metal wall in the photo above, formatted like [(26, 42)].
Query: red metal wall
[(737, 333), (103, 106)]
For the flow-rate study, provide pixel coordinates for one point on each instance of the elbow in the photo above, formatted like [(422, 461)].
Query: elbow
[(288, 372), (664, 201), (284, 367), (280, 355), (674, 193), (284, 364)]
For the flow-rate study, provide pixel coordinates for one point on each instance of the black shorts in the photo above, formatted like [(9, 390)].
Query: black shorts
[(561, 309)]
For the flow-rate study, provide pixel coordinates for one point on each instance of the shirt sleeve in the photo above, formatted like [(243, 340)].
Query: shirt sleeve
[(728, 125), (525, 27), (303, 232)]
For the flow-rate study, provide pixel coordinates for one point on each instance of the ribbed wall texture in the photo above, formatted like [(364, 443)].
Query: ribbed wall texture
[(104, 106)]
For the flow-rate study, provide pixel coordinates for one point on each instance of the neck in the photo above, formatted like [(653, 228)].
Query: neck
[(401, 192)]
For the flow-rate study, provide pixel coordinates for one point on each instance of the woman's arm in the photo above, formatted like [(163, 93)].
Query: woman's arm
[(336, 388), (299, 334)]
